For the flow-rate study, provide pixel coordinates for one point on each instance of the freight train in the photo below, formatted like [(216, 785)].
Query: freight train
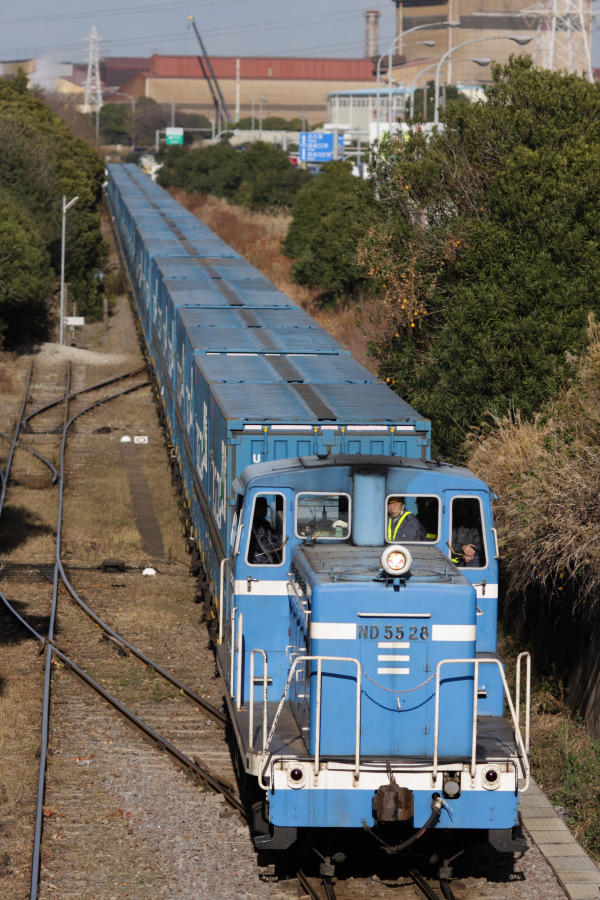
[(359, 658)]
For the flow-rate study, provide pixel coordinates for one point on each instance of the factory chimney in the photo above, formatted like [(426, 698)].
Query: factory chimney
[(372, 17)]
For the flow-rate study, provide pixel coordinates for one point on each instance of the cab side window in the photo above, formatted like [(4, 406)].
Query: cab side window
[(411, 518), (467, 544), (267, 533)]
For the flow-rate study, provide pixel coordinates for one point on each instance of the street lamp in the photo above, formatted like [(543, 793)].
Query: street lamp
[(391, 82), (521, 39), (389, 53), (480, 61), (65, 206), (123, 94), (261, 100), (413, 88)]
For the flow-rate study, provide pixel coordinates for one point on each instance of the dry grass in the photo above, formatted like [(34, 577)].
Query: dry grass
[(7, 364), (19, 738), (258, 237), (565, 760), (547, 474)]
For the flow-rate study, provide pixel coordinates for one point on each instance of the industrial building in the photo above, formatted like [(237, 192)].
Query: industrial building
[(349, 91), (254, 86), (560, 32)]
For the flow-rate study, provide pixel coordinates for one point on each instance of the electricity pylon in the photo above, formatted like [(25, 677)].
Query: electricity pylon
[(92, 100), (563, 35)]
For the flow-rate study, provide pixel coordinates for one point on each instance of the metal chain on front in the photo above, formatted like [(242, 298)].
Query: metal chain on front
[(390, 691)]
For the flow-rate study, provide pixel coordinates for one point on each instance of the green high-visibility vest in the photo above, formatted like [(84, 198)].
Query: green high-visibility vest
[(392, 537)]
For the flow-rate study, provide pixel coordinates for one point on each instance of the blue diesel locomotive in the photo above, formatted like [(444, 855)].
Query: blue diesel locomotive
[(361, 672)]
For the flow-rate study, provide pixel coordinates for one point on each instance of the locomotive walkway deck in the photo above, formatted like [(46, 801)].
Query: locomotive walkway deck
[(575, 871)]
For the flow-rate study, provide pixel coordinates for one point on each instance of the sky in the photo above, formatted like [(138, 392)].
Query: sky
[(307, 28)]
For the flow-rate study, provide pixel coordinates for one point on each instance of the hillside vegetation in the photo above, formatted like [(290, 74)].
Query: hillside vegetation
[(41, 161), (484, 251), (546, 472)]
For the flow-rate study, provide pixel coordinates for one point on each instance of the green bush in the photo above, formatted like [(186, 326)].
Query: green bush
[(258, 177), (328, 219)]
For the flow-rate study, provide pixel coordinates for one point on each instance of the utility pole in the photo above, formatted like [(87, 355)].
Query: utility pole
[(65, 208)]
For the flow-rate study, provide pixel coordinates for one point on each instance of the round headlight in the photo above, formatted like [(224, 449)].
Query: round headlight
[(396, 560), (296, 776), (490, 778)]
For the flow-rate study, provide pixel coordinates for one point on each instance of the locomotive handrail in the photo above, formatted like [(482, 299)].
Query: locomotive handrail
[(221, 598), (527, 656), (239, 646), (436, 735), (293, 667), (232, 651), (265, 689)]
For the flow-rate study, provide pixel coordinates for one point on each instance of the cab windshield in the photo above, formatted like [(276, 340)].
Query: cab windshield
[(323, 516)]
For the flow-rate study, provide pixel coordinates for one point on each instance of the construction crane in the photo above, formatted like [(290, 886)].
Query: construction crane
[(211, 78)]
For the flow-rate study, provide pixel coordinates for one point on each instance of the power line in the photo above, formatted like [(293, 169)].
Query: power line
[(137, 10), (212, 33)]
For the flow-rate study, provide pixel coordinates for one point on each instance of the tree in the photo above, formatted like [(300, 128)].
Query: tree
[(257, 176), (269, 123), (20, 82), (25, 275), (115, 123), (42, 161), (189, 121), (150, 117), (484, 250), (328, 218)]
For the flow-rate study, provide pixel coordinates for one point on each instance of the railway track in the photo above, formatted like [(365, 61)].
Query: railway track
[(100, 656), (113, 667), (118, 818)]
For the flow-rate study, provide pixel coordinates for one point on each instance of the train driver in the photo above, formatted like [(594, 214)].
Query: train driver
[(402, 525), (265, 545)]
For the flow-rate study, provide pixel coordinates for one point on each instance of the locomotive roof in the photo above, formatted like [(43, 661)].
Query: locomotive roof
[(262, 473)]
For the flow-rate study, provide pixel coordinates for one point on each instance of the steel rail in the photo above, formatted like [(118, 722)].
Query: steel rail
[(37, 838), (87, 390), (329, 888), (208, 707), (216, 713), (14, 440), (35, 453), (427, 891), (198, 771), (67, 422), (306, 885), (162, 743), (446, 889)]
